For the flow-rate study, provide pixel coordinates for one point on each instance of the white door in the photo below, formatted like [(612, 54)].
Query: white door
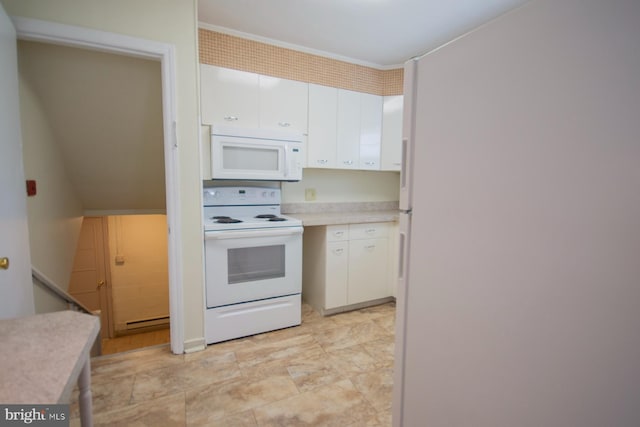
[(16, 287)]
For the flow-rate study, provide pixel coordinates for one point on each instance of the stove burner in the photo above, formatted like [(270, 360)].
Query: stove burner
[(226, 220), (277, 218), (265, 216)]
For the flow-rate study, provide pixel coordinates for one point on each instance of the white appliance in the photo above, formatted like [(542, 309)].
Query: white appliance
[(253, 263), (256, 154), (519, 301)]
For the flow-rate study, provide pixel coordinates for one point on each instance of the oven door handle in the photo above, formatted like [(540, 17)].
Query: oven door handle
[(249, 234)]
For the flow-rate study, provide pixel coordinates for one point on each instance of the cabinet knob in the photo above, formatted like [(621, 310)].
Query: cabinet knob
[(231, 118)]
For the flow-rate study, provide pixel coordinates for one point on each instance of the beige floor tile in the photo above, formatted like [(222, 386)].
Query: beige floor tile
[(107, 394), (350, 335), (243, 419), (387, 322), (219, 401), (333, 370), (133, 362), (376, 386), (353, 360), (314, 372), (168, 411), (216, 368), (337, 405), (266, 349), (382, 350)]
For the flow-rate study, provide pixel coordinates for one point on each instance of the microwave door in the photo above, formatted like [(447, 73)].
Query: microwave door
[(232, 160)]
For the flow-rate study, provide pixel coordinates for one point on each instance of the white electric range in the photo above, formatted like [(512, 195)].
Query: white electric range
[(253, 263)]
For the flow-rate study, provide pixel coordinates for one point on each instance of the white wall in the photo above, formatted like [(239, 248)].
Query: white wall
[(524, 299), (140, 277), (171, 22), (335, 185), (54, 213)]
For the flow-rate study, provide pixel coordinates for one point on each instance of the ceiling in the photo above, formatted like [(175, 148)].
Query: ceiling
[(105, 116), (379, 33)]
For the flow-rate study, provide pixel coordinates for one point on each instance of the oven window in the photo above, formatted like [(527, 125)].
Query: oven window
[(255, 263), (250, 158)]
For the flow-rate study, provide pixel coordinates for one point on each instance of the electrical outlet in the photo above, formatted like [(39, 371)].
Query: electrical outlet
[(309, 194)]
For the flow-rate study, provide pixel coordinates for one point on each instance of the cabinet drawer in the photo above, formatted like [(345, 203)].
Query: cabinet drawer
[(369, 230), (336, 233)]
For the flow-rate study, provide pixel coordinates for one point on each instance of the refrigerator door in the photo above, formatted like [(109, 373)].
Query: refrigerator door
[(408, 126), (401, 314)]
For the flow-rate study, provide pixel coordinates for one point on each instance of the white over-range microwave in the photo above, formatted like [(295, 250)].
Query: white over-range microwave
[(256, 154)]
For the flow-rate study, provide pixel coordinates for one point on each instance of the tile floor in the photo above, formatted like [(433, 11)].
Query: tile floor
[(330, 371), (135, 341)]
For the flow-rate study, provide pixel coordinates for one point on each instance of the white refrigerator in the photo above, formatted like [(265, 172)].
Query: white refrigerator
[(519, 289)]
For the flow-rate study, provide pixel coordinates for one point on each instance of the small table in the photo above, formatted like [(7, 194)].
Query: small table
[(42, 356)]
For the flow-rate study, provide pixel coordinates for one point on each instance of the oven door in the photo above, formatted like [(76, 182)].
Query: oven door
[(251, 265)]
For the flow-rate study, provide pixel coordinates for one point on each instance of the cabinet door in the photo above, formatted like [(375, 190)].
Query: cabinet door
[(229, 97), (391, 147), (337, 274), (348, 129), (370, 131), (368, 264), (283, 104), (323, 111)]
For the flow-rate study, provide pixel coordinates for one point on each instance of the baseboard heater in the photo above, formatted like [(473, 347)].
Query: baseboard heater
[(145, 323)]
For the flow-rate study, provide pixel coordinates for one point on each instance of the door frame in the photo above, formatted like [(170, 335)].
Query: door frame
[(67, 35)]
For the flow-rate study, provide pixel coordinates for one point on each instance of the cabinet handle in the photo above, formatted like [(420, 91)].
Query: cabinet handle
[(284, 124), (370, 230), (338, 251), (231, 118), (338, 233), (370, 247), (348, 162), (369, 163), (322, 161)]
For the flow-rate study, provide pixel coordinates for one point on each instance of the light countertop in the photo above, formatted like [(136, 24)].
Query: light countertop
[(42, 355), (312, 214)]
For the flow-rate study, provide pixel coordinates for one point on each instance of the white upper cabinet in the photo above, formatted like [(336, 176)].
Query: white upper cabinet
[(237, 98), (229, 97), (343, 128), (323, 112), (391, 149), (348, 129), (283, 104), (370, 131), (359, 130)]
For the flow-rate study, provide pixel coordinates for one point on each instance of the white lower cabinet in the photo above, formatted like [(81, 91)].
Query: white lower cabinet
[(346, 265)]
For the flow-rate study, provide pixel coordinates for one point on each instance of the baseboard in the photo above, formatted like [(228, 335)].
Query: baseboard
[(194, 345)]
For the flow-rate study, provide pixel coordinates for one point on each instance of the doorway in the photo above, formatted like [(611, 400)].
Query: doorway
[(58, 34), (121, 271)]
